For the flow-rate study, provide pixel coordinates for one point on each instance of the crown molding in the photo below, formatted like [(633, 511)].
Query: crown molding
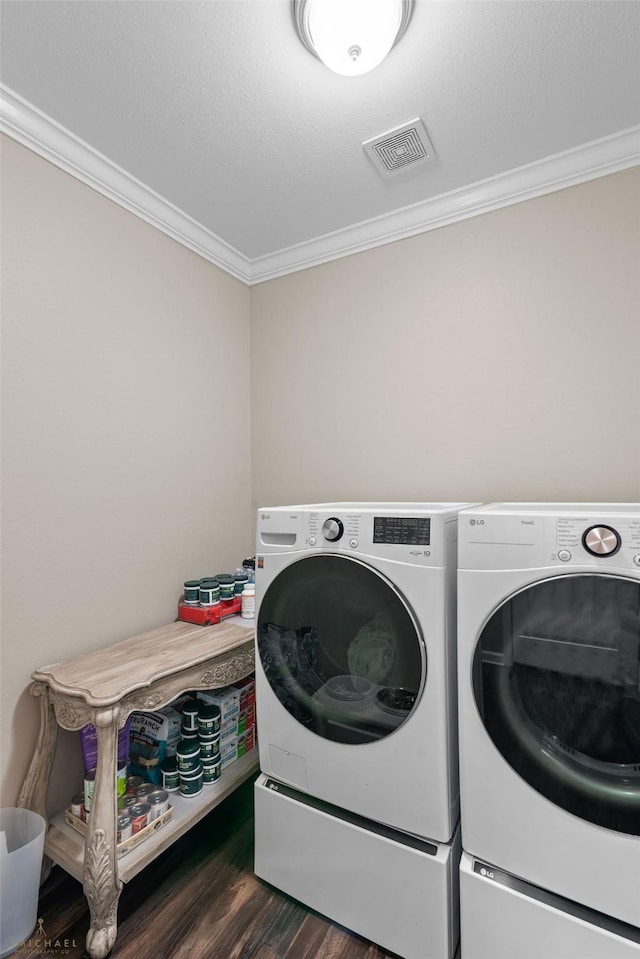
[(35, 130), (609, 155)]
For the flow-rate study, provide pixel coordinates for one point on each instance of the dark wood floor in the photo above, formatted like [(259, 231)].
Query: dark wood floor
[(201, 900)]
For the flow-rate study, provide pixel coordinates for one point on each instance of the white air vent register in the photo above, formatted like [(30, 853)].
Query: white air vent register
[(406, 146)]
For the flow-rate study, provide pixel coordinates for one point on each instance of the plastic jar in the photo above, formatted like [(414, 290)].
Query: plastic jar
[(192, 592), (191, 782), (188, 755), (209, 592), (190, 715), (188, 733), (211, 769), (170, 775), (209, 748), (248, 609), (208, 720), (227, 585), (240, 579)]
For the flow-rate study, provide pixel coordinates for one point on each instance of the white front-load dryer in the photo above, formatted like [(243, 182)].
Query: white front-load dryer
[(355, 659), (549, 697)]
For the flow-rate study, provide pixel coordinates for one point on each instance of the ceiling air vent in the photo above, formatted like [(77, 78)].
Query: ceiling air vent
[(406, 147)]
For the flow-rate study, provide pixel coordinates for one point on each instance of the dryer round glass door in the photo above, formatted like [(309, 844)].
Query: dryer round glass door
[(341, 649), (556, 681)]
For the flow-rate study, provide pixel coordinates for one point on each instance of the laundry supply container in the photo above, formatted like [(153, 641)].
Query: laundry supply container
[(21, 847)]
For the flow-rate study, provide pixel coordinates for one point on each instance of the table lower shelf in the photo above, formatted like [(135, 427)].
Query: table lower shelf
[(65, 846)]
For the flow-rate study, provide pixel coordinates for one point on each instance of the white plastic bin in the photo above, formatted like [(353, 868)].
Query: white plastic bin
[(21, 847)]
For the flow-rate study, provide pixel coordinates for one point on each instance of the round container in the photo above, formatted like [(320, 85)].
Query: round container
[(211, 738), (124, 829), (227, 585), (188, 733), (139, 817), (210, 750), (240, 580), (192, 592), (143, 791), (191, 782), (121, 779), (132, 784), (76, 805), (209, 592), (210, 770), (127, 801), (188, 755), (208, 720), (248, 607), (158, 803), (89, 786), (190, 715), (170, 775)]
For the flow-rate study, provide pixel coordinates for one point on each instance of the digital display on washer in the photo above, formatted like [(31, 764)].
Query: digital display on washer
[(402, 530)]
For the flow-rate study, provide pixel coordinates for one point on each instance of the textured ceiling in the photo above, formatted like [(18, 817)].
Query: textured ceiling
[(217, 106)]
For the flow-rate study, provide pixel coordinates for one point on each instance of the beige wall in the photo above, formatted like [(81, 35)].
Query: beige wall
[(497, 358), (125, 430)]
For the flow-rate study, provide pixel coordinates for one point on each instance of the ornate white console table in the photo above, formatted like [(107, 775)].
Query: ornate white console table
[(103, 688)]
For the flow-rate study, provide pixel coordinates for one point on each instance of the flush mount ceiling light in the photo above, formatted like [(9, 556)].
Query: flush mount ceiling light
[(351, 36)]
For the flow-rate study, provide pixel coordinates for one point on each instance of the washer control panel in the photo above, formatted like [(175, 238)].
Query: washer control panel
[(417, 534)]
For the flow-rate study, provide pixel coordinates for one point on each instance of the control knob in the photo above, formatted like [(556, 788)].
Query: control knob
[(332, 529), (601, 541)]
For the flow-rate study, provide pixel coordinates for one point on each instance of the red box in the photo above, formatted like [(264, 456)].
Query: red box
[(208, 615)]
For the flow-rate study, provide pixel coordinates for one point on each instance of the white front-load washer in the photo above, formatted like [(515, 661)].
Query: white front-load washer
[(549, 697), (502, 917), (355, 662)]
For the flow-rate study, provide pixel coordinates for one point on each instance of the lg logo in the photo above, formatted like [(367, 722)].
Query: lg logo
[(476, 522)]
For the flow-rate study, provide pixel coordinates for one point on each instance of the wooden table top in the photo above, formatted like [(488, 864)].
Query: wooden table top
[(104, 676)]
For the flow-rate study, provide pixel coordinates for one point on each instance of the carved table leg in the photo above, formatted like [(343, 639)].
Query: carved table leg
[(33, 794), (101, 884)]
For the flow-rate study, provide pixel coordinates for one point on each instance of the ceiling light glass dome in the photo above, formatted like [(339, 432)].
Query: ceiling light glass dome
[(351, 37)]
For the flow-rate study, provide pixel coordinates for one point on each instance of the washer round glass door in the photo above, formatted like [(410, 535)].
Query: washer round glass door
[(556, 678), (341, 649)]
